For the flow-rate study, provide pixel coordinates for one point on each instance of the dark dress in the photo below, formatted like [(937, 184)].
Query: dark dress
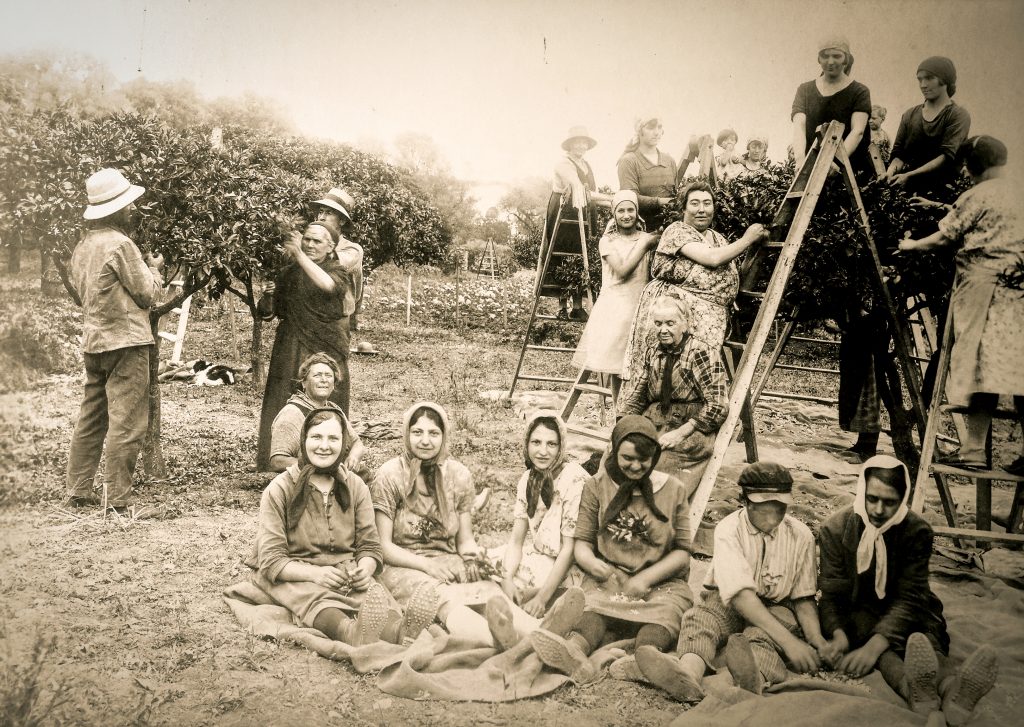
[(848, 599), (919, 141), (311, 321), (560, 206), (840, 106)]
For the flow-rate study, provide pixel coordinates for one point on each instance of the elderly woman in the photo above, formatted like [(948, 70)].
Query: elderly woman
[(574, 188), (318, 376), (625, 258), (648, 171), (923, 157), (336, 206), (423, 501), (833, 96), (308, 296), (317, 551), (987, 305), (696, 264)]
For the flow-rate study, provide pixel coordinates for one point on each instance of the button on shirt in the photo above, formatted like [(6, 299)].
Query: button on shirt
[(777, 566)]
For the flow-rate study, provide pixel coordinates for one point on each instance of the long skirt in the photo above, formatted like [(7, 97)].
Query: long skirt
[(664, 605), (290, 350), (306, 600), (535, 567)]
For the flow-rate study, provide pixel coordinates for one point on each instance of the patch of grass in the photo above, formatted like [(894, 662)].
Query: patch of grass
[(27, 696)]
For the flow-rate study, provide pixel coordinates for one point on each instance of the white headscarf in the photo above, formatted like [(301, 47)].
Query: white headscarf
[(872, 544)]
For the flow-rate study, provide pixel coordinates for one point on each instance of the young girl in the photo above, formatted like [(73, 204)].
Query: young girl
[(632, 541), (317, 550), (423, 501), (547, 505)]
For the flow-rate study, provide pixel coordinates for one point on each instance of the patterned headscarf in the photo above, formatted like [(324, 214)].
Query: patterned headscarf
[(872, 544), (631, 424), (431, 469), (541, 483)]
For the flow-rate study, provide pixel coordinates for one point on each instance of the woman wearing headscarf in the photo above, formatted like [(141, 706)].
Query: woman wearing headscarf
[(423, 501), (728, 164), (697, 265), (632, 542), (648, 171), (833, 96), (625, 250), (754, 159), (317, 552), (923, 157), (877, 608), (574, 190), (547, 505), (308, 298), (987, 225)]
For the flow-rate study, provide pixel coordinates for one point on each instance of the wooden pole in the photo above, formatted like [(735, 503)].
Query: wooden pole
[(408, 301), (228, 306), (458, 265)]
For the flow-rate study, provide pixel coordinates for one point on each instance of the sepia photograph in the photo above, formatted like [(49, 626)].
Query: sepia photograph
[(525, 362)]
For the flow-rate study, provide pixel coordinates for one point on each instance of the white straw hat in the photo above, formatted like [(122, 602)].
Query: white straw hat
[(109, 192), (338, 200), (579, 132)]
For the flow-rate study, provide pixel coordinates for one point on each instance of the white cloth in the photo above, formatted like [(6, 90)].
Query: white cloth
[(872, 544)]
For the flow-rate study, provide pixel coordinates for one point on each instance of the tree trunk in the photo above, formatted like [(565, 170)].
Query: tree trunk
[(152, 450), (257, 352), (890, 390)]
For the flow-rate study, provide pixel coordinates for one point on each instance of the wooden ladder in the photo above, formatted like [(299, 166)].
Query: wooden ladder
[(487, 263), (542, 289), (178, 337), (790, 224), (983, 478)]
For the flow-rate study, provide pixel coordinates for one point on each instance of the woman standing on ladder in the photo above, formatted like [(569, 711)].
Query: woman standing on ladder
[(574, 188), (648, 171)]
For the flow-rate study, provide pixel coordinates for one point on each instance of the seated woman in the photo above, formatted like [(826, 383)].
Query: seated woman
[(423, 501), (317, 549), (318, 375), (625, 258), (696, 264), (632, 541), (547, 505), (987, 307), (876, 606)]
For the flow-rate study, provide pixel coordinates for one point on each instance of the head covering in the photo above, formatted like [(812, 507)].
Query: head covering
[(625, 195), (943, 69), (109, 192), (578, 132), (758, 137), (431, 469), (639, 123), (338, 200), (767, 481), (982, 152), (725, 134), (332, 228), (337, 471), (838, 42), (631, 424), (540, 484), (872, 544)]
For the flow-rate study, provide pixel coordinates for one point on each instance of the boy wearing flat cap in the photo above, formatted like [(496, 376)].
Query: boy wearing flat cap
[(758, 595)]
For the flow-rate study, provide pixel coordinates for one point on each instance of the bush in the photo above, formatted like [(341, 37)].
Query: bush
[(37, 338)]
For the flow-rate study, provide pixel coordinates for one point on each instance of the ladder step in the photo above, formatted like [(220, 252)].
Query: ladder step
[(998, 414), (799, 397), (557, 379), (566, 254), (978, 474), (544, 316), (773, 245), (593, 434), (735, 345), (795, 194), (813, 369), (167, 336), (808, 339), (593, 389), (968, 534), (550, 348), (756, 295)]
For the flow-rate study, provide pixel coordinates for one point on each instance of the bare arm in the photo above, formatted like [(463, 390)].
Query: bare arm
[(858, 123), (799, 138), (556, 575), (624, 265), (714, 257), (936, 239), (588, 561), (465, 542), (676, 562), (901, 178), (313, 271), (806, 611), (514, 549)]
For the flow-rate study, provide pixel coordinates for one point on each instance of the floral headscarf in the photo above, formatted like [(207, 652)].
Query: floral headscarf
[(541, 483), (631, 424)]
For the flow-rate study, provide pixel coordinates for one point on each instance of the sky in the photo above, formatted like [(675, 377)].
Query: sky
[(497, 83)]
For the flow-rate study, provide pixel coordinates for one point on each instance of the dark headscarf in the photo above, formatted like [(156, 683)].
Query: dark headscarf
[(982, 152), (336, 470), (541, 483), (943, 69), (330, 225), (639, 425)]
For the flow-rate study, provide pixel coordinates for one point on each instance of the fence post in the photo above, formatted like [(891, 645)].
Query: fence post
[(408, 301)]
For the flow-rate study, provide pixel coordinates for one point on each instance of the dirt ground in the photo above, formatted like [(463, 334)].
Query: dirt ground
[(124, 619)]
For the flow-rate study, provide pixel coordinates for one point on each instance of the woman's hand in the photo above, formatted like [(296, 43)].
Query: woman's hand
[(899, 180), (635, 587), (293, 245), (536, 606), (440, 572), (362, 574), (756, 232), (925, 204), (333, 577), (832, 651), (859, 662), (508, 587), (801, 656), (470, 571), (600, 570)]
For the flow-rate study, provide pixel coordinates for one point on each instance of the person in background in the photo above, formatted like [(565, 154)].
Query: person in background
[(987, 224), (336, 206), (755, 158), (116, 286), (648, 171), (625, 250), (728, 163), (574, 189), (879, 136), (923, 157), (834, 96), (308, 296), (758, 597)]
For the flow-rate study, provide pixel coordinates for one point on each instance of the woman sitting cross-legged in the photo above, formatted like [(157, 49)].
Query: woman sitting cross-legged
[(317, 550), (318, 375), (547, 505), (632, 541), (876, 603), (423, 501)]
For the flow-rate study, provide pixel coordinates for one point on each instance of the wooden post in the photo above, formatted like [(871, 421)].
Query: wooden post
[(408, 301), (458, 265), (228, 306)]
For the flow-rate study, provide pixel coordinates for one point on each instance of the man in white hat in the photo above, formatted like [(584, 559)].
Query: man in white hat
[(117, 286), (336, 206)]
